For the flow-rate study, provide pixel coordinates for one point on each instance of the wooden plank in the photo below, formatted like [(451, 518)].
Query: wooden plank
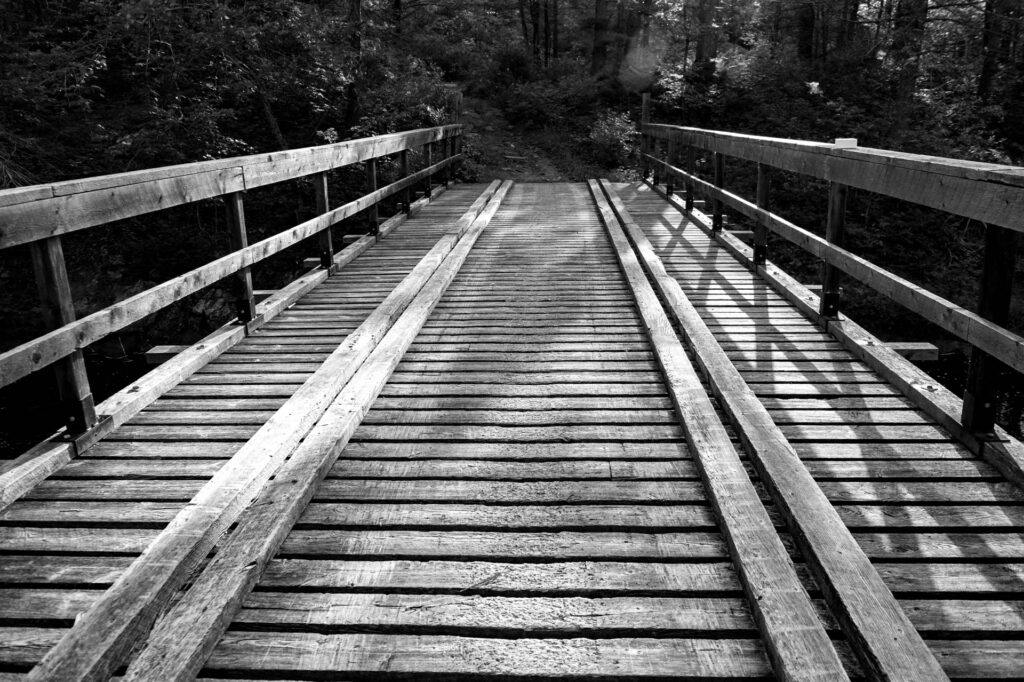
[(58, 309), (983, 192), (796, 642), (885, 642), (92, 647), (77, 204), (587, 578), (183, 639), (502, 658), (476, 616)]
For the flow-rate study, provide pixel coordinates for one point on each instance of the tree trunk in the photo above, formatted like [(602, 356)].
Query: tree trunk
[(522, 20), (707, 40), (547, 33), (996, 45), (554, 28), (599, 54), (271, 120), (355, 22), (908, 38), (535, 26)]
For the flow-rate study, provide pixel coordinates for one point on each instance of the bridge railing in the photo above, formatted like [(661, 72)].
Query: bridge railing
[(39, 215), (990, 193)]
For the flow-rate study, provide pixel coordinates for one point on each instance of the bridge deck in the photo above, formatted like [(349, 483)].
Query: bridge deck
[(521, 500)]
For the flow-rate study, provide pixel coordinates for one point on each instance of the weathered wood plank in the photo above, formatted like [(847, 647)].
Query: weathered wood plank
[(466, 656)]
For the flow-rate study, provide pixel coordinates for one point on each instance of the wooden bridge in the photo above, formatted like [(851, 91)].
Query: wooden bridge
[(521, 431)]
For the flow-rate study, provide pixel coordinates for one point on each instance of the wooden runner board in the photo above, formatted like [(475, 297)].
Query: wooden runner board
[(795, 639)]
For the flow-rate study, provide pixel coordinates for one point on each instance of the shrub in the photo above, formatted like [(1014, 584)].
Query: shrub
[(613, 139)]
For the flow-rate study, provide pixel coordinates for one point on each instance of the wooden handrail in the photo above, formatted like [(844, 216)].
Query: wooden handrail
[(987, 192), (31, 213), (39, 215)]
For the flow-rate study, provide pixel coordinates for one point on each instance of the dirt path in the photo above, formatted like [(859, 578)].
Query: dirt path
[(500, 150)]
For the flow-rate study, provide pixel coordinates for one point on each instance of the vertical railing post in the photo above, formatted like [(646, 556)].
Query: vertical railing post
[(428, 154), (403, 169), (657, 176), (59, 310), (645, 138), (371, 186), (986, 374), (716, 203), (760, 229), (835, 232), (445, 154), (322, 206), (670, 177), (691, 168), (245, 302)]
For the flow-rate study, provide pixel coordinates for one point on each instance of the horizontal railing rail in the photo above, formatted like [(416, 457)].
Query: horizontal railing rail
[(39, 215), (990, 193)]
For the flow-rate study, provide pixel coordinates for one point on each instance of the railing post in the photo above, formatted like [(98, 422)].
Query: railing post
[(835, 231), (670, 177), (428, 154), (446, 154), (245, 302), (691, 168), (716, 204), (403, 169), (760, 229), (322, 206), (986, 374), (646, 143), (59, 310), (371, 186)]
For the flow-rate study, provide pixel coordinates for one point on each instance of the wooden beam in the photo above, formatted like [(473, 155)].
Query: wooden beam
[(796, 640), (59, 310), (157, 355), (403, 171), (102, 636), (47, 349), (183, 639), (920, 351), (760, 230), (998, 342), (371, 187), (32, 213), (428, 155), (245, 303), (990, 193), (986, 376), (884, 639), (835, 234), (716, 203), (323, 205)]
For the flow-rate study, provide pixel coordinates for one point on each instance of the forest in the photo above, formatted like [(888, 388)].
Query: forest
[(89, 87)]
